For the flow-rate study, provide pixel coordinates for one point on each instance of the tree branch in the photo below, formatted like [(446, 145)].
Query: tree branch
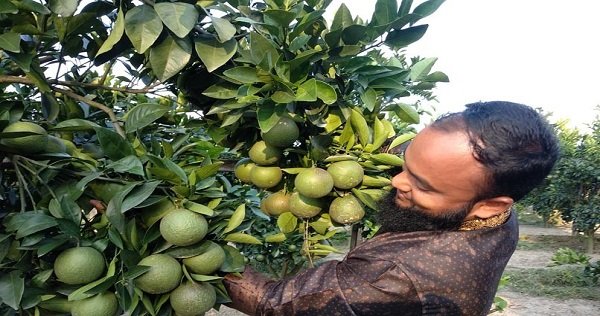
[(24, 80), (73, 95)]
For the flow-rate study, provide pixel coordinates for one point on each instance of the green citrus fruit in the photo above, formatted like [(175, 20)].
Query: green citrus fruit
[(314, 182), (155, 212), (243, 169), (182, 227), (264, 154), (303, 206), (79, 265), (346, 174), (207, 262), (259, 258), (283, 134), (29, 144), (265, 177), (164, 275), (103, 304), (346, 210), (193, 299), (55, 145), (276, 203)]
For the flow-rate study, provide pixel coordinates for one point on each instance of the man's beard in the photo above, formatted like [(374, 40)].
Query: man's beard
[(397, 219)]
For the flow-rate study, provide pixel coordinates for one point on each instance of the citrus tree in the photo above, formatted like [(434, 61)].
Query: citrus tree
[(122, 121), (573, 187)]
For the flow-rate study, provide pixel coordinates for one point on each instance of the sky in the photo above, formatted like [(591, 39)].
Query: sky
[(542, 53)]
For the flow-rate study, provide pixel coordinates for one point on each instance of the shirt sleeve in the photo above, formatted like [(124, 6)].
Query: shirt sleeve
[(358, 285)]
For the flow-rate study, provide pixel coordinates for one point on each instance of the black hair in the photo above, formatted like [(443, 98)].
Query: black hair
[(516, 145)]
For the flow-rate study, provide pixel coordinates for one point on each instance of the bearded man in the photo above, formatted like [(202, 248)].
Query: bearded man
[(447, 230)]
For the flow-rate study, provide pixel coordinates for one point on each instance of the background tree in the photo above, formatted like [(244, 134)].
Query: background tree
[(573, 187)]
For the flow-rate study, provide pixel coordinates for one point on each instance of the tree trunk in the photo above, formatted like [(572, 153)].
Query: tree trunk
[(589, 241), (546, 218)]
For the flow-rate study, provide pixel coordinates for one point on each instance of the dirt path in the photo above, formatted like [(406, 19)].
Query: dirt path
[(521, 304)]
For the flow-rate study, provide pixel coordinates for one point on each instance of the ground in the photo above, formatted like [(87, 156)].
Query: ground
[(520, 304)]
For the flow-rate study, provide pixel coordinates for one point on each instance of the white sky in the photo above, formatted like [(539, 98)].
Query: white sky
[(543, 53)]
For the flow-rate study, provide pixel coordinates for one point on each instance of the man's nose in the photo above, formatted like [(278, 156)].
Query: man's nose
[(400, 182)]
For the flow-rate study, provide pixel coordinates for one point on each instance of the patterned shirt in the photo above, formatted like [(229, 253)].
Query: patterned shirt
[(416, 273)]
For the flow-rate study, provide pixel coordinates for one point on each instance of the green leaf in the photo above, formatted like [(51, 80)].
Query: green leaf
[(8, 7), (402, 139), (242, 238), (282, 97), (179, 17), (275, 238), (236, 219), (189, 251), (287, 222), (342, 18), (63, 7), (199, 208), (213, 53), (402, 38), (115, 35), (369, 98), (428, 7), (385, 12), (407, 113), (234, 261), (204, 278), (225, 30), (12, 285), (405, 6), (263, 51), (28, 223), (113, 209), (353, 34), (359, 124), (143, 27), (170, 57), (11, 42), (282, 17), (73, 125), (138, 195), (422, 68), (51, 244), (30, 5), (325, 92), (243, 74), (113, 145), (129, 164), (221, 91), (208, 170), (365, 198), (268, 115), (307, 91), (436, 76), (143, 115)]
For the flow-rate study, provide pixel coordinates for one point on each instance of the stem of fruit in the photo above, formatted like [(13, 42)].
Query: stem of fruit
[(306, 245)]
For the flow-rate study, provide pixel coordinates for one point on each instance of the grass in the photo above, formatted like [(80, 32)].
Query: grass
[(553, 243), (560, 282)]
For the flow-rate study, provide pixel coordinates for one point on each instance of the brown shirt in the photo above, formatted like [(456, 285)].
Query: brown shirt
[(417, 273)]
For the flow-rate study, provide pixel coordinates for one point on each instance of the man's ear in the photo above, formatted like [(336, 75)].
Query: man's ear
[(490, 207)]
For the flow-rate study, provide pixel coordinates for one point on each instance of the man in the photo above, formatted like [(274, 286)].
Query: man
[(447, 230)]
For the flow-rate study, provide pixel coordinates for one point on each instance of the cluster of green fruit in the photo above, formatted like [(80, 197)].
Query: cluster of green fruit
[(315, 189), (179, 227)]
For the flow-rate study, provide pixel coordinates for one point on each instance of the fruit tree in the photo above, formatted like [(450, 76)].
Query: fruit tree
[(149, 147)]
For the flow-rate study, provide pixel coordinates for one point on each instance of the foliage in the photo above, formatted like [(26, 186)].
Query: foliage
[(569, 256), (148, 104), (592, 271), (573, 187)]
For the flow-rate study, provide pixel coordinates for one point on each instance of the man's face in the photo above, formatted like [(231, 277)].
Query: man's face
[(440, 176)]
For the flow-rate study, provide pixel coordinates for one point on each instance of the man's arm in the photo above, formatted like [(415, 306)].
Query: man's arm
[(358, 285)]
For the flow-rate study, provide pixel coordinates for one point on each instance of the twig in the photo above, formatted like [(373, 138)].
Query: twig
[(22, 183)]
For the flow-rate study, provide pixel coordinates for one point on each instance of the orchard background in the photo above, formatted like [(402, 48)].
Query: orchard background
[(150, 147)]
